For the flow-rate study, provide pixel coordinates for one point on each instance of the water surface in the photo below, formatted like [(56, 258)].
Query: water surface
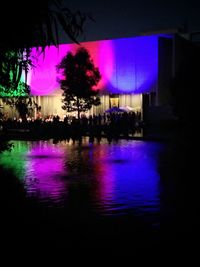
[(117, 183)]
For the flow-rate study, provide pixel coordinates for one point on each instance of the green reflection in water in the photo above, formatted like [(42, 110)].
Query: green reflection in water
[(16, 159)]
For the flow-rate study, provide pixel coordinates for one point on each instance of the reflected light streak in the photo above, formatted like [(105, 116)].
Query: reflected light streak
[(113, 179), (45, 171), (16, 159), (128, 179)]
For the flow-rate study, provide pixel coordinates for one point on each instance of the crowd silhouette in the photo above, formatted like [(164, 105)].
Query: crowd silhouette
[(110, 125)]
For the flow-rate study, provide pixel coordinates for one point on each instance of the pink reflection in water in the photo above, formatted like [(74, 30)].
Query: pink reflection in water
[(45, 172), (107, 178), (104, 178)]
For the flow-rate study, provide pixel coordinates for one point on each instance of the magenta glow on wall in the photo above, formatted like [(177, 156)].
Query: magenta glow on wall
[(128, 65)]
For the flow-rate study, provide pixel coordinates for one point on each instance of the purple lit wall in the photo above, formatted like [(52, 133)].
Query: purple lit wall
[(127, 65)]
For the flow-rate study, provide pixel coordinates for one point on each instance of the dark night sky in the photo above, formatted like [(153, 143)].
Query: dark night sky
[(115, 19)]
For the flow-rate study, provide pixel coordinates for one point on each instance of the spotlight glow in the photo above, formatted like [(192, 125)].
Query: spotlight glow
[(128, 65)]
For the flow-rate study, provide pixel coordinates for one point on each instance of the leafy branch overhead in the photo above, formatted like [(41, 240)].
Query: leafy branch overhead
[(37, 25)]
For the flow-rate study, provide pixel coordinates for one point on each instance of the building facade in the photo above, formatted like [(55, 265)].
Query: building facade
[(136, 72)]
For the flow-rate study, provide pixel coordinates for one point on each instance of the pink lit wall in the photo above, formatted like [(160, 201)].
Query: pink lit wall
[(127, 65)]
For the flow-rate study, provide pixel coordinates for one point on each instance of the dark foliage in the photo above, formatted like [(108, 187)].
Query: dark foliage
[(80, 76), (23, 26), (24, 105)]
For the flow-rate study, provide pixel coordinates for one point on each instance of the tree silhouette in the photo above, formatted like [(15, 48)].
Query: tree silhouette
[(24, 105), (79, 76)]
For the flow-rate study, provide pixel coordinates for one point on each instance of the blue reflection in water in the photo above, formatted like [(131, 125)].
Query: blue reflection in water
[(110, 179), (128, 179)]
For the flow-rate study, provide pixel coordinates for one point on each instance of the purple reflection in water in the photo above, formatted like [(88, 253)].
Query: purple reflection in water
[(104, 178), (44, 174)]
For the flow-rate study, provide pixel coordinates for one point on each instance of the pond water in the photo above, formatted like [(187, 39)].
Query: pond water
[(103, 192)]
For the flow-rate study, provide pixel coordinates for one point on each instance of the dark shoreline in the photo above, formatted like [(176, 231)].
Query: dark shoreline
[(30, 137)]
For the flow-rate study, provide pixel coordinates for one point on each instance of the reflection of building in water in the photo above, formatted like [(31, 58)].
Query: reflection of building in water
[(136, 72)]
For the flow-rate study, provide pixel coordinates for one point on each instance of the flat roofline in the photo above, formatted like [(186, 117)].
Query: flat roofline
[(161, 34)]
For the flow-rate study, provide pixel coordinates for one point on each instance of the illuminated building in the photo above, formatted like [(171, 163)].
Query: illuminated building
[(135, 72)]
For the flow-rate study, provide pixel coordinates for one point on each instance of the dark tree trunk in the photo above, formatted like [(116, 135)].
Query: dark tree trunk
[(78, 109)]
